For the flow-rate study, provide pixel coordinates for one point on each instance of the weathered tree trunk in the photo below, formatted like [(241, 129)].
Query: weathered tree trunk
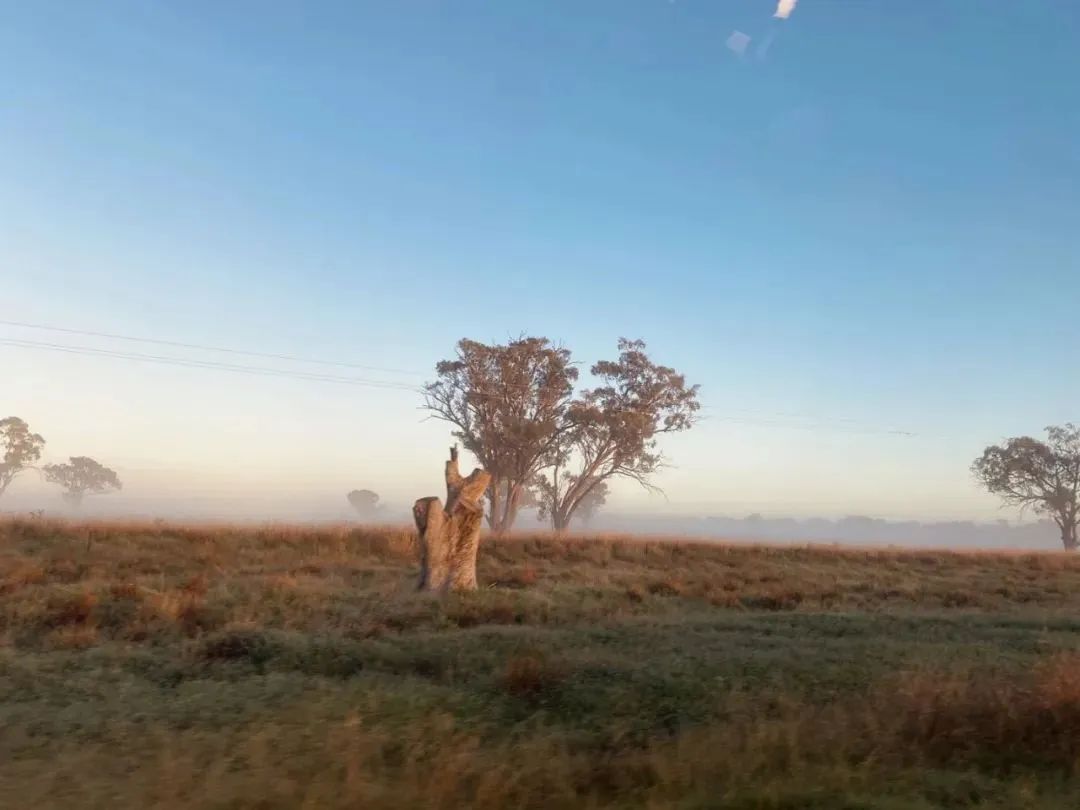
[(450, 536)]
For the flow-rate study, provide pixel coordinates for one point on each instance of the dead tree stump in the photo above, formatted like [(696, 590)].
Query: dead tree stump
[(450, 536)]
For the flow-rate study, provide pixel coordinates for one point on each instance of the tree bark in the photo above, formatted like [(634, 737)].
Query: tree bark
[(495, 507), (513, 501), (1068, 537), (568, 505), (450, 536), (560, 521)]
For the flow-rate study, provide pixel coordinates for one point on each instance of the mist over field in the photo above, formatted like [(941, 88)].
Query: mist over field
[(331, 507)]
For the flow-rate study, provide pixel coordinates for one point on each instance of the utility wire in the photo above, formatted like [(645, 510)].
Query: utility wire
[(207, 348), (190, 363), (815, 423), (342, 364)]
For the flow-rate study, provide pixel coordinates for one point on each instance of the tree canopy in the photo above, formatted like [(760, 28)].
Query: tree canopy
[(364, 501), (588, 507), (508, 405), (612, 429), (514, 408), (1040, 475), (21, 449), (82, 476)]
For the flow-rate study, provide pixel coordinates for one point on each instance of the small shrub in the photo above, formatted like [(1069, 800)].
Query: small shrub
[(530, 676), (774, 600), (419, 614), (522, 578), (329, 658), (124, 590), (725, 599), (238, 645), (484, 607), (196, 585), (72, 637), (195, 617), (28, 574), (959, 599), (895, 593), (667, 587), (68, 610), (829, 598), (64, 570), (118, 614), (432, 667)]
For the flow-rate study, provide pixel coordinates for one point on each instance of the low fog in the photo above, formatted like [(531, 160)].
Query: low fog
[(332, 507)]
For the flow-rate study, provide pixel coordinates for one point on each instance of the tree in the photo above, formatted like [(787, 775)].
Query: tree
[(591, 503), (21, 449), (1042, 476), (364, 501), (508, 405), (595, 497), (81, 476), (450, 535), (611, 431)]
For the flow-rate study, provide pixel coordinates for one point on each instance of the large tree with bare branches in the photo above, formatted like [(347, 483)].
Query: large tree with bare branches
[(1042, 476), (508, 405), (612, 430)]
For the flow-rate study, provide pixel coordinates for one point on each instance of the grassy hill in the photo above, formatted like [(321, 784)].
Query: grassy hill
[(231, 667)]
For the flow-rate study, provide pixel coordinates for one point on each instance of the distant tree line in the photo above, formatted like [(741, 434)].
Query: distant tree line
[(852, 529), (554, 449), (79, 477), (515, 407)]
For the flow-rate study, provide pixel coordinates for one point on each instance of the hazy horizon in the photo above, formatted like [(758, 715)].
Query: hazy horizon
[(855, 530), (315, 504), (248, 492)]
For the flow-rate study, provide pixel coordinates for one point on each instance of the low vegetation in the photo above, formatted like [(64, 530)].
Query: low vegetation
[(277, 667)]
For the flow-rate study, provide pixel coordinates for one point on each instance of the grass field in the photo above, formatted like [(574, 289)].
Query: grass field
[(228, 667)]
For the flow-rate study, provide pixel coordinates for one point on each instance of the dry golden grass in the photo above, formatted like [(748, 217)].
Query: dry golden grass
[(135, 581), (145, 664)]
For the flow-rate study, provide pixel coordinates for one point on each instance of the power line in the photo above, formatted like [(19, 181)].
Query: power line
[(847, 426), (853, 427), (208, 364), (214, 365), (207, 348), (218, 366)]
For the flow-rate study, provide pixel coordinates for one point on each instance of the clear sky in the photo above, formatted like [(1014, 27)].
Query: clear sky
[(867, 220)]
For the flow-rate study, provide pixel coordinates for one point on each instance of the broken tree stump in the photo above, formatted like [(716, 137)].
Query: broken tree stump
[(450, 536)]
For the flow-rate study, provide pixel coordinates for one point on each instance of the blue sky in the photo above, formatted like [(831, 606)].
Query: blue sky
[(867, 221)]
